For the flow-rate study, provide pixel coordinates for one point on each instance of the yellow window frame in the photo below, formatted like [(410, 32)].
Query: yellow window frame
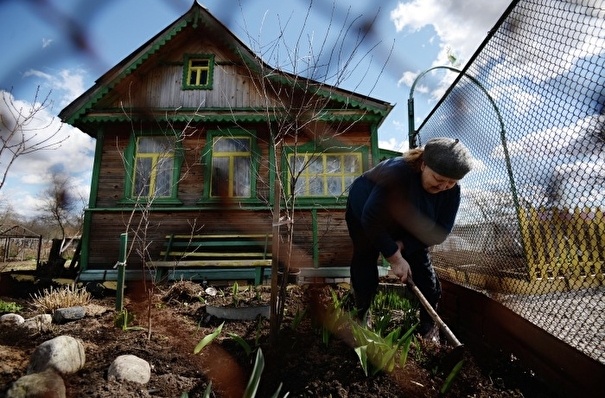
[(199, 72), (307, 175), (197, 66), (231, 155), (155, 157)]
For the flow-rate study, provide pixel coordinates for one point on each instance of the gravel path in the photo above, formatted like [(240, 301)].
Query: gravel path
[(576, 317)]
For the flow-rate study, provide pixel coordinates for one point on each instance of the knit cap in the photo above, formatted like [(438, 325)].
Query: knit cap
[(448, 157)]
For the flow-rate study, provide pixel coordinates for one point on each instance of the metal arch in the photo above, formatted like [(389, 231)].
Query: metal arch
[(412, 133)]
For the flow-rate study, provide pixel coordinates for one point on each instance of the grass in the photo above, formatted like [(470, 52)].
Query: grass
[(54, 298)]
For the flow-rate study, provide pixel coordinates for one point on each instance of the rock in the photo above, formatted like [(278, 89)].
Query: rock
[(64, 354), (38, 323), (11, 319), (130, 368), (64, 315), (47, 384), (239, 313)]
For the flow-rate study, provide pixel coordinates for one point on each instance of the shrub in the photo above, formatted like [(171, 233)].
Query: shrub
[(53, 298), (9, 307)]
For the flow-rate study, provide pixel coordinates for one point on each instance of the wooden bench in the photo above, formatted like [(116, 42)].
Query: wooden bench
[(220, 251)]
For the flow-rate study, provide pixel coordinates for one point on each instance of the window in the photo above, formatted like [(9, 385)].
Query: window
[(231, 167), (324, 174), (154, 163), (198, 71), (154, 167)]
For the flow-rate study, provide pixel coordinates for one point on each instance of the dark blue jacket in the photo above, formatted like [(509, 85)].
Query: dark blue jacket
[(390, 204)]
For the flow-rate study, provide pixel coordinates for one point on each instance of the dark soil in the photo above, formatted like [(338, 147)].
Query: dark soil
[(300, 361)]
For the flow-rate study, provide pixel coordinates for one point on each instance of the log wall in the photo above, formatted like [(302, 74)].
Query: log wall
[(111, 217)]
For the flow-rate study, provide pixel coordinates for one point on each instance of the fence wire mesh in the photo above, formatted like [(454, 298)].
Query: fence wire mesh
[(530, 106)]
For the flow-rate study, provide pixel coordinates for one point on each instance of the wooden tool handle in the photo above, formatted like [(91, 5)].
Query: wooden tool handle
[(449, 335)]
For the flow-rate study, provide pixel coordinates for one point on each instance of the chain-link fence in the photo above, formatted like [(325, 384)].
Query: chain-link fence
[(530, 105)]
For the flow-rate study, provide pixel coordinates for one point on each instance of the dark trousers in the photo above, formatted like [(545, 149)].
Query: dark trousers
[(364, 274)]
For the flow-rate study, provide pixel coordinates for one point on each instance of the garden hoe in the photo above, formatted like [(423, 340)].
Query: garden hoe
[(457, 353)]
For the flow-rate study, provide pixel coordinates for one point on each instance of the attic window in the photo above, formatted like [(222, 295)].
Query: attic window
[(198, 71)]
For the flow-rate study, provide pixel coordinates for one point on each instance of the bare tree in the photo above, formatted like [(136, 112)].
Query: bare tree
[(23, 131), (296, 102), (60, 206), (138, 222)]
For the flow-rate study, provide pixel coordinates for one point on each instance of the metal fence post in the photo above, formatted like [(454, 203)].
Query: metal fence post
[(121, 264)]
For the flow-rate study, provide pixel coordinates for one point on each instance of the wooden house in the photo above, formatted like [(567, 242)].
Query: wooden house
[(194, 132)]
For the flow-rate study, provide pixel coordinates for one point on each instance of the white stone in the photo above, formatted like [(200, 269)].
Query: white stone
[(47, 384), (130, 368), (11, 319), (64, 354), (39, 323)]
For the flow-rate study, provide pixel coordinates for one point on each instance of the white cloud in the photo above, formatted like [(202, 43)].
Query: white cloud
[(394, 144), (460, 28), (461, 25), (408, 78), (30, 173), (67, 84), (556, 142)]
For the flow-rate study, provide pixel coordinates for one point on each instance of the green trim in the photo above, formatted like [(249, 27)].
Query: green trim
[(388, 154), (147, 201), (377, 110), (213, 206), (186, 67), (129, 159), (272, 166), (206, 160), (239, 115), (374, 145), (134, 64), (337, 147), (319, 89), (96, 168), (85, 249)]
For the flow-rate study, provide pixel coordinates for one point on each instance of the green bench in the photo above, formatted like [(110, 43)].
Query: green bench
[(217, 251)]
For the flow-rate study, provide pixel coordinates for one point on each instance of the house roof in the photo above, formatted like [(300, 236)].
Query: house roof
[(76, 112)]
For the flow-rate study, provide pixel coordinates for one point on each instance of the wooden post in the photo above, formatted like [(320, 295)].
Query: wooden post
[(121, 264)]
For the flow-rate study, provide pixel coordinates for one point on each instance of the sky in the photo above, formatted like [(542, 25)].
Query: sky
[(62, 46)]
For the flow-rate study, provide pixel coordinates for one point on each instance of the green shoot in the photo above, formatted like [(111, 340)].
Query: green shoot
[(377, 353), (451, 377), (259, 332), (247, 348), (208, 339), (298, 318), (235, 294), (124, 319), (242, 343), (253, 382)]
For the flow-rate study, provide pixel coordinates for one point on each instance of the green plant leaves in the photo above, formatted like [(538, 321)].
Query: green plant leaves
[(241, 342), (253, 382), (451, 377), (362, 353), (377, 353), (208, 339)]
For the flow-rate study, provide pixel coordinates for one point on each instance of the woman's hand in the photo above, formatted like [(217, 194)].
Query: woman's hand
[(400, 267), (399, 244)]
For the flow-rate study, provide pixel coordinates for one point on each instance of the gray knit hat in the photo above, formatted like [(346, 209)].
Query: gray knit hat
[(448, 157)]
